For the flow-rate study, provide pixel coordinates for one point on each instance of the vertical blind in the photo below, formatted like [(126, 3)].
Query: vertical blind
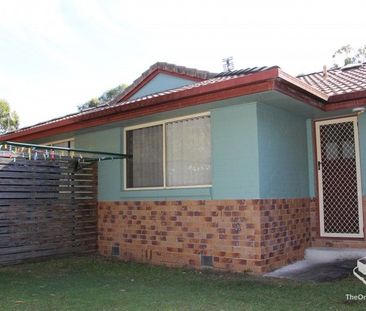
[(187, 154), (145, 169)]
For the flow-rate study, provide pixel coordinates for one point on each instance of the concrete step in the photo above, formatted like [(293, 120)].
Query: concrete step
[(328, 254), (322, 264)]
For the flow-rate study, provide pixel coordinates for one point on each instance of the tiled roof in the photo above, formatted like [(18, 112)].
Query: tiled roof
[(245, 71), (193, 73), (338, 81), (190, 72), (115, 104)]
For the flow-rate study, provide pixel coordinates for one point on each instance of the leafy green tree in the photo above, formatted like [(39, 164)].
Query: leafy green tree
[(104, 98), (347, 55), (9, 120)]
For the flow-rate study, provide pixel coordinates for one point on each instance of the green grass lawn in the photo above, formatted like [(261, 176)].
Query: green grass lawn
[(95, 283)]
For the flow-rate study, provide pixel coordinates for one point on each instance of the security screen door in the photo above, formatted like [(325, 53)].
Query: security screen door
[(339, 180)]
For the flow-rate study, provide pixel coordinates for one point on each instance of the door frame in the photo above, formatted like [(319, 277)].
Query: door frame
[(354, 119)]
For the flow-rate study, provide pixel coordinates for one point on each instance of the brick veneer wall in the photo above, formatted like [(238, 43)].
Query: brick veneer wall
[(318, 241), (240, 235)]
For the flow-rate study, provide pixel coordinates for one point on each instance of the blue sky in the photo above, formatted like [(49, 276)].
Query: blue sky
[(57, 54)]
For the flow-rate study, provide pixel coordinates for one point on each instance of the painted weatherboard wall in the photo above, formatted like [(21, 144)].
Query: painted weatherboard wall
[(235, 173), (283, 153), (161, 82)]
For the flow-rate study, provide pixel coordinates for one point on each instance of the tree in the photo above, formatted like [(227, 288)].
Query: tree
[(347, 55), (94, 102), (104, 98), (9, 120), (361, 54)]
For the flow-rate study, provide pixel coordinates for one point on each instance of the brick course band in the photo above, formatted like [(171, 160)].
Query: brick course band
[(241, 235)]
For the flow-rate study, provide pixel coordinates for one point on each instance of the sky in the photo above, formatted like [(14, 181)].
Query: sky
[(58, 54)]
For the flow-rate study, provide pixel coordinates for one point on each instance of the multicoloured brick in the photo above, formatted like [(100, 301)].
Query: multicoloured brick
[(240, 235)]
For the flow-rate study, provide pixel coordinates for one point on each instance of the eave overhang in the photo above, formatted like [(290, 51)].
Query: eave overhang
[(268, 80)]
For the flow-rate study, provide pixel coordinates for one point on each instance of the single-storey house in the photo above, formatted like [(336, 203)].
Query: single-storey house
[(241, 170)]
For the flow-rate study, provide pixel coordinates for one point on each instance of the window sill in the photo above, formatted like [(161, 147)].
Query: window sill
[(167, 188)]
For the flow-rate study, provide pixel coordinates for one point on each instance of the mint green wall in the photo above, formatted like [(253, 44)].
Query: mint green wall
[(109, 172), (161, 82), (283, 154), (234, 156), (258, 151), (235, 152)]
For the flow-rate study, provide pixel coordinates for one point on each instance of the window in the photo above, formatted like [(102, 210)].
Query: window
[(67, 143), (188, 152), (171, 153), (146, 167)]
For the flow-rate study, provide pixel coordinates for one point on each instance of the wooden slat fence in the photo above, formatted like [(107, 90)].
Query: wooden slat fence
[(46, 209)]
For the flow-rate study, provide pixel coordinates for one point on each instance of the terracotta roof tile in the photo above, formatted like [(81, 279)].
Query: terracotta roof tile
[(245, 71), (339, 81), (188, 72), (107, 106)]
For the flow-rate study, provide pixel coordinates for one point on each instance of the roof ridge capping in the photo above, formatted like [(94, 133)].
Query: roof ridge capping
[(296, 81), (119, 100), (343, 68), (352, 66), (159, 65), (193, 73), (242, 82), (245, 71), (336, 81)]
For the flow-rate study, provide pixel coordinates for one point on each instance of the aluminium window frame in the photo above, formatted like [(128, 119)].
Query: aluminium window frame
[(163, 124), (71, 140)]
